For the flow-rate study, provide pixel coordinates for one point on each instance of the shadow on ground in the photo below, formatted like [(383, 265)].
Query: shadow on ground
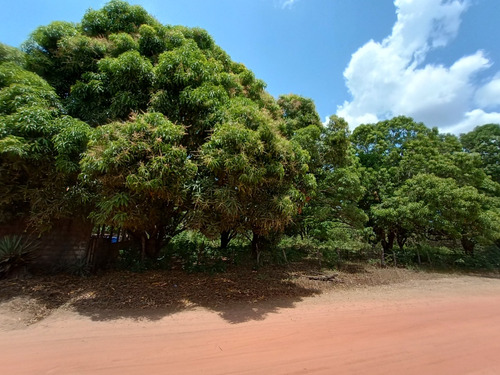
[(238, 295)]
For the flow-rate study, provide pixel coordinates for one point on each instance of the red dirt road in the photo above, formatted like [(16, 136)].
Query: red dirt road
[(444, 326)]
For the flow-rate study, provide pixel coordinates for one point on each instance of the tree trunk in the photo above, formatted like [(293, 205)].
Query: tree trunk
[(143, 247), (225, 239), (284, 255), (151, 245), (256, 247), (418, 256), (387, 246), (382, 258), (153, 248), (468, 245), (401, 239)]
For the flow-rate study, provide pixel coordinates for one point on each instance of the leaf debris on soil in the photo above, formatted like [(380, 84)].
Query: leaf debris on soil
[(125, 290)]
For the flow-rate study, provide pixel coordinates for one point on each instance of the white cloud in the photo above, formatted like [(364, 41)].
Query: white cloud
[(471, 120), (488, 96), (391, 78), (287, 3)]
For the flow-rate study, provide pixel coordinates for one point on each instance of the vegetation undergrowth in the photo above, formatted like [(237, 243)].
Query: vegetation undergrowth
[(16, 252)]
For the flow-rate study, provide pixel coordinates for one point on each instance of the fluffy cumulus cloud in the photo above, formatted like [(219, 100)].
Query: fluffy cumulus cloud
[(392, 78), (488, 96)]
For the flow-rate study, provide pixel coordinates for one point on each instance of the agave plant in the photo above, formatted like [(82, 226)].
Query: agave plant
[(15, 252)]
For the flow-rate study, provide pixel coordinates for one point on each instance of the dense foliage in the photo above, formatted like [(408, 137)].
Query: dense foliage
[(153, 130), (40, 148)]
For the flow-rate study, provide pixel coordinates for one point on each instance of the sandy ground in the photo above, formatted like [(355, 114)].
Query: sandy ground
[(447, 325)]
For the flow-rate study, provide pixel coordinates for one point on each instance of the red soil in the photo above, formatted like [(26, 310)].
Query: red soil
[(443, 326)]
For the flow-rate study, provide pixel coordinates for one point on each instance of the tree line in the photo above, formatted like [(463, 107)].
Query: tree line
[(153, 129)]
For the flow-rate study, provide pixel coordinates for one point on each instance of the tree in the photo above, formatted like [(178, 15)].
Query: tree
[(298, 113), (11, 54), (121, 86), (332, 217), (142, 174), (401, 155), (380, 149), (430, 206), (118, 68), (331, 212), (485, 140), (260, 178), (40, 149)]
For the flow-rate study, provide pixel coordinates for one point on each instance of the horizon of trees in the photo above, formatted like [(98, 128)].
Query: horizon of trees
[(153, 129)]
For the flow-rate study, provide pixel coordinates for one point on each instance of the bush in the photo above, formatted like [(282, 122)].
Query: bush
[(196, 253), (442, 257), (129, 258), (329, 250), (487, 258), (16, 252)]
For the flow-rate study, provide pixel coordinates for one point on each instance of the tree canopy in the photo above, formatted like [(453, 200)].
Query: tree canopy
[(177, 126), (423, 184), (153, 129), (485, 140), (40, 148)]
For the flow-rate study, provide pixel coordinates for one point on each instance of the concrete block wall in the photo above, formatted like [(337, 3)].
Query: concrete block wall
[(64, 245)]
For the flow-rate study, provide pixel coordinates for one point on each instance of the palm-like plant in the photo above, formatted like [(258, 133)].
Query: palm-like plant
[(15, 252)]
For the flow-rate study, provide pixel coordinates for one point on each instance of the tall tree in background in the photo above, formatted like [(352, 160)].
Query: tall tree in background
[(331, 219), (485, 140), (399, 155), (428, 206), (380, 149)]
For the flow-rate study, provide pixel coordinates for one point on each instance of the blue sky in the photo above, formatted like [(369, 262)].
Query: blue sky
[(366, 60)]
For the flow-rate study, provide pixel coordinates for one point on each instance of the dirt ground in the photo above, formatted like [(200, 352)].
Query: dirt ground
[(356, 321)]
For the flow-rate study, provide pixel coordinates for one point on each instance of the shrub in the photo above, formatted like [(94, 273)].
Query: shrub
[(197, 253), (16, 252)]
